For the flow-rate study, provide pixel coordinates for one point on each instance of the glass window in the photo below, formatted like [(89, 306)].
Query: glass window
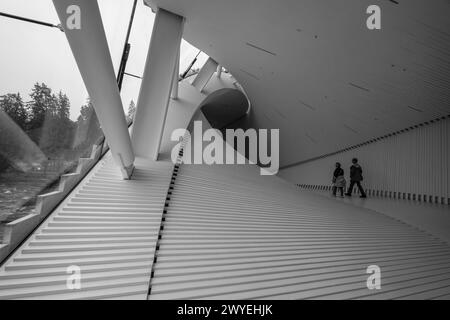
[(46, 119)]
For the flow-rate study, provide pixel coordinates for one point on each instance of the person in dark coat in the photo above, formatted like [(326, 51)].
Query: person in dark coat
[(338, 180), (355, 178)]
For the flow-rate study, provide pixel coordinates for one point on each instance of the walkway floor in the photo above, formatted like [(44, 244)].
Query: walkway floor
[(429, 217), (230, 233), (108, 227), (225, 232)]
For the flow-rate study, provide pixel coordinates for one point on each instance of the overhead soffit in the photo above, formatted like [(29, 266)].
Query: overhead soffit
[(312, 68)]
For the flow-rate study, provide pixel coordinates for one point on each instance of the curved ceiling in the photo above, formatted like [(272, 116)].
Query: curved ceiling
[(313, 69), (224, 107)]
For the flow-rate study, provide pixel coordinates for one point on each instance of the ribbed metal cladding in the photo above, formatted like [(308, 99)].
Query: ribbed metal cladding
[(230, 233), (108, 227), (412, 165)]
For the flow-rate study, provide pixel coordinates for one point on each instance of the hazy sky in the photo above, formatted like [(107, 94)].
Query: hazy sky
[(31, 53)]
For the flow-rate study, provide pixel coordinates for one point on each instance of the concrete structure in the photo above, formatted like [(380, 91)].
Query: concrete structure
[(334, 88)]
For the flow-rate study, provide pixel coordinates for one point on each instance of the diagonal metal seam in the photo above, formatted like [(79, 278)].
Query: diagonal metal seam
[(163, 218), (359, 87), (249, 74), (260, 49)]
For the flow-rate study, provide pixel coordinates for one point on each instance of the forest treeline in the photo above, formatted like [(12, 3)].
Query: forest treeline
[(45, 118)]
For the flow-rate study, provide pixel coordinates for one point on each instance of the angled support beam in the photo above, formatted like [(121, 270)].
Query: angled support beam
[(176, 76), (84, 30), (219, 71), (206, 72), (157, 84)]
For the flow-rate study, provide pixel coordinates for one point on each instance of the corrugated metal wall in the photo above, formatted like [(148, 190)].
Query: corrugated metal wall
[(413, 164), (229, 233)]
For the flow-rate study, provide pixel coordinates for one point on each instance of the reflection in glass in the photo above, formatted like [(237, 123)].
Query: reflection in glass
[(39, 142)]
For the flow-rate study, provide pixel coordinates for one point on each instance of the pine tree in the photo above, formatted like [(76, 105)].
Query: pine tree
[(43, 104), (63, 106), (49, 124), (12, 104), (131, 111), (88, 126)]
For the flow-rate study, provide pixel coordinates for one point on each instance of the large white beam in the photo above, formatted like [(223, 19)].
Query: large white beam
[(84, 30), (219, 71), (156, 84), (206, 72)]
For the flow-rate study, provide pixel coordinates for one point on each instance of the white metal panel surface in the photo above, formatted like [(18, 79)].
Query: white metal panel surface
[(313, 69), (107, 226), (413, 165), (229, 233), (220, 232)]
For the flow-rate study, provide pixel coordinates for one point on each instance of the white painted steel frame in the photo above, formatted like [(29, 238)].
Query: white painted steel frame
[(90, 50), (156, 84), (205, 73)]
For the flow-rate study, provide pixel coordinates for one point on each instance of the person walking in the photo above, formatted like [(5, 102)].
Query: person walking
[(338, 180), (356, 178)]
